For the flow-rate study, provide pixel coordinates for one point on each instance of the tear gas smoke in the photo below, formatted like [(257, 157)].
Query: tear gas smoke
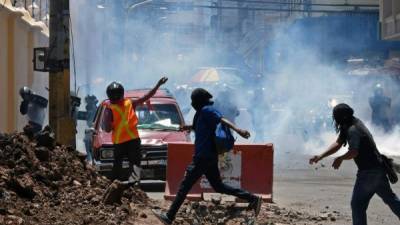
[(303, 91), (292, 107)]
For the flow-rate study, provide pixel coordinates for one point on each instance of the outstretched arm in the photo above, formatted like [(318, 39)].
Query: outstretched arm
[(243, 133), (150, 93), (354, 137), (332, 149)]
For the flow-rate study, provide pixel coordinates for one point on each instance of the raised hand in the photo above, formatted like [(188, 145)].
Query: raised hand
[(162, 81)]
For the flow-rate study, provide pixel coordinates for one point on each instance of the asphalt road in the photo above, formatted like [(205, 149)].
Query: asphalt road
[(153, 188), (312, 189), (316, 189)]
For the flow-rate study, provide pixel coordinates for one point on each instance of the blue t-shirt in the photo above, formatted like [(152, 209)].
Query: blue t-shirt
[(204, 129)]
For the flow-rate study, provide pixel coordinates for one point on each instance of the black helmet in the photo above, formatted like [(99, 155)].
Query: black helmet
[(24, 92), (115, 91)]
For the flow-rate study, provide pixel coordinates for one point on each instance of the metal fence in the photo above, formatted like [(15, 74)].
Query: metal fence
[(38, 9)]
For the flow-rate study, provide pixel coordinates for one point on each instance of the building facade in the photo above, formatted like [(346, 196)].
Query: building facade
[(20, 33), (390, 19)]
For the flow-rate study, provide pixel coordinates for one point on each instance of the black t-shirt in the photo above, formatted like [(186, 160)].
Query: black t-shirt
[(359, 138)]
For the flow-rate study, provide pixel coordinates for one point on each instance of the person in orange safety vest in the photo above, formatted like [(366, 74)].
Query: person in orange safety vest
[(120, 119)]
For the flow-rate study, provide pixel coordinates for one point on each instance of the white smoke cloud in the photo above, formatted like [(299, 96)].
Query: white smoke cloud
[(136, 49), (300, 94)]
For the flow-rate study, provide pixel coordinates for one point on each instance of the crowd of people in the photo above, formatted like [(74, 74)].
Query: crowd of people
[(372, 173), (121, 120)]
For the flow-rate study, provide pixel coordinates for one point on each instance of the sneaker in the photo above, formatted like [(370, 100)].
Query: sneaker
[(134, 177), (256, 205), (133, 181), (162, 217)]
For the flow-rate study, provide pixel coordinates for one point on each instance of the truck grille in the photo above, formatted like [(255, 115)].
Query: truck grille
[(154, 152), (148, 153)]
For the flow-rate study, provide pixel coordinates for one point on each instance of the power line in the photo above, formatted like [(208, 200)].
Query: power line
[(272, 10), (302, 3)]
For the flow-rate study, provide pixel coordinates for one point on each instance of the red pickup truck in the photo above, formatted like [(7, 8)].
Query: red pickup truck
[(160, 120)]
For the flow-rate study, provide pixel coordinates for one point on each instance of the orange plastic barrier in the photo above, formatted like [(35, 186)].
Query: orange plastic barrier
[(249, 167)]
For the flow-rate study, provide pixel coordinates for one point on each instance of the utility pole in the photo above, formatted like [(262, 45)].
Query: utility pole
[(60, 118)]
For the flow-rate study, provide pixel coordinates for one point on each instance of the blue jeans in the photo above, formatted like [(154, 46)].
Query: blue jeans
[(367, 184)]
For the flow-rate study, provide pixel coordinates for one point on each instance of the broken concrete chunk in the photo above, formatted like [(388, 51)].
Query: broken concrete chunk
[(23, 186), (42, 153), (114, 193)]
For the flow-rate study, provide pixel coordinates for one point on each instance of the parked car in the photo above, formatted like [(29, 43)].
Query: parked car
[(160, 120)]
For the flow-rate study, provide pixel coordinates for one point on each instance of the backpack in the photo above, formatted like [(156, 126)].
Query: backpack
[(224, 139), (389, 169), (388, 166)]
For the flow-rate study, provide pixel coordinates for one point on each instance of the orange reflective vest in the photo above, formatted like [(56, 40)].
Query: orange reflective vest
[(124, 121)]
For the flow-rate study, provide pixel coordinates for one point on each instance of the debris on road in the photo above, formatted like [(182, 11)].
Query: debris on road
[(114, 193), (53, 184), (208, 213), (41, 183)]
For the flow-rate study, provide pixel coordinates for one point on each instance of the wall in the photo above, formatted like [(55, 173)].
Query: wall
[(19, 34), (390, 19)]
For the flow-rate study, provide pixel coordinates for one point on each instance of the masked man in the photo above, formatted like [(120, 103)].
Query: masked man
[(371, 176), (205, 159)]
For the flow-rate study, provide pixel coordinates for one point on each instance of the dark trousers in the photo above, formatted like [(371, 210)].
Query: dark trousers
[(88, 147), (210, 169), (129, 149), (368, 183)]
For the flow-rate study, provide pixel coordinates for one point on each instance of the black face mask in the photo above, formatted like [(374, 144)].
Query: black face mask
[(197, 105), (200, 98)]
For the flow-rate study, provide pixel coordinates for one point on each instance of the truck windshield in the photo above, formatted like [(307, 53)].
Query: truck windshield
[(158, 116)]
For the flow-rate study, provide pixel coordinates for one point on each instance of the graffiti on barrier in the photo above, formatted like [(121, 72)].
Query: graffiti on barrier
[(230, 167)]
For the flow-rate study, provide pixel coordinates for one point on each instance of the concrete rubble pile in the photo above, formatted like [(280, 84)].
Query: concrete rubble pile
[(45, 183)]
